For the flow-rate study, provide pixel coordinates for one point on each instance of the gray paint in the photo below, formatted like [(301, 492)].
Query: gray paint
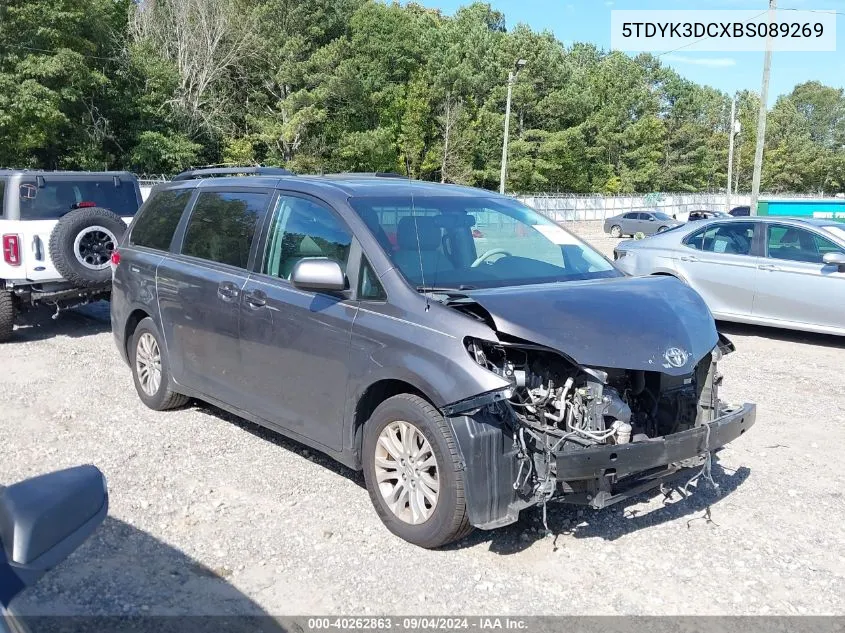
[(300, 361), (586, 320)]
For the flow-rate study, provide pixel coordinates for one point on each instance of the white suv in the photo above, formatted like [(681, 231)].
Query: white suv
[(58, 231)]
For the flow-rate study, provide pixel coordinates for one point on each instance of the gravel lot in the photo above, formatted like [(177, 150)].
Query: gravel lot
[(211, 515)]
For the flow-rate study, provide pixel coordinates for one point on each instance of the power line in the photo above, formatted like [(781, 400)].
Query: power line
[(749, 21), (815, 11), (674, 50)]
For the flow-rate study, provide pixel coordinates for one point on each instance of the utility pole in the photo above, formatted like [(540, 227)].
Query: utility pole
[(761, 118), (731, 134), (511, 78)]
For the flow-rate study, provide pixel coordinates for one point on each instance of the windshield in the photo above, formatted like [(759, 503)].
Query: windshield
[(662, 216), (838, 231), (467, 242)]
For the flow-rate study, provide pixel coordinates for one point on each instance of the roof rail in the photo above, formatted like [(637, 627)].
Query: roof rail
[(211, 172), (371, 174)]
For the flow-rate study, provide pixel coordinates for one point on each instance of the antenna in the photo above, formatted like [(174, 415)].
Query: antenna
[(417, 229)]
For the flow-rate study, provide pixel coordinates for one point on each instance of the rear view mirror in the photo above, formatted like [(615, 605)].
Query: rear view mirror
[(43, 520), (835, 259), (318, 273)]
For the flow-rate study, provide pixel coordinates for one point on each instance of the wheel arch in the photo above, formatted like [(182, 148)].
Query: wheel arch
[(367, 402), (669, 273), (135, 317)]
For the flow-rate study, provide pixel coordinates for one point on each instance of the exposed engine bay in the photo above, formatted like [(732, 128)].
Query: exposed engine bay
[(557, 408), (598, 406), (580, 407)]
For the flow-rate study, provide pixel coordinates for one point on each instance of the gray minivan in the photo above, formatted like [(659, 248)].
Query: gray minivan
[(470, 355)]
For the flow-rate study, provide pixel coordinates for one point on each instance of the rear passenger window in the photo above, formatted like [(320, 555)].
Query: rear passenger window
[(158, 219), (223, 225), (733, 238)]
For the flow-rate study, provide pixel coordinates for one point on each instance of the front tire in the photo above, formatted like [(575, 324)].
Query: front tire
[(151, 370), (413, 472), (7, 315), (616, 231), (662, 228)]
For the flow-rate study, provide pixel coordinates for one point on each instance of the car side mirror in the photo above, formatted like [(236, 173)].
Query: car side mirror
[(835, 259), (651, 219), (43, 520), (318, 273)]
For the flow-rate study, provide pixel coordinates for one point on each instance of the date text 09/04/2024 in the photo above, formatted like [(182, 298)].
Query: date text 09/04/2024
[(410, 623)]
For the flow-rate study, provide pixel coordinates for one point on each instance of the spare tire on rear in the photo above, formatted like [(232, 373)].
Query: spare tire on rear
[(82, 243)]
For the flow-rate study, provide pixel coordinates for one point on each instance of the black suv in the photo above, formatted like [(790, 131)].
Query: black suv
[(470, 355)]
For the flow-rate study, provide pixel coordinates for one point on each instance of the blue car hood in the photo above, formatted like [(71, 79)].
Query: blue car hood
[(648, 323)]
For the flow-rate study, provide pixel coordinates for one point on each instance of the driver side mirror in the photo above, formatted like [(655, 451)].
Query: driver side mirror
[(835, 259), (318, 273), (43, 520)]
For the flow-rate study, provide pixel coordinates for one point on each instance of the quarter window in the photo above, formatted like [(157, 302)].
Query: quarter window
[(370, 288), (223, 225), (302, 229), (797, 245), (2, 196), (158, 219), (733, 239)]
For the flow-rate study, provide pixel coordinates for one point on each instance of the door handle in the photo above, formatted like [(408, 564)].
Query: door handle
[(256, 299), (36, 248), (767, 267), (227, 291), (689, 258)]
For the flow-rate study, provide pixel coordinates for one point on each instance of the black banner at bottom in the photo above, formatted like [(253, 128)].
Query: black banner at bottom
[(412, 624)]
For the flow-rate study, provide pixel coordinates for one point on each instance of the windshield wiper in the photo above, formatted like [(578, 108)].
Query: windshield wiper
[(444, 289)]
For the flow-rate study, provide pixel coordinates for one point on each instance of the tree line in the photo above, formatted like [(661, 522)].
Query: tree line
[(322, 86)]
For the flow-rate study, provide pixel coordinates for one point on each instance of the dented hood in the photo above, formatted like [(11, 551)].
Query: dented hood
[(649, 323)]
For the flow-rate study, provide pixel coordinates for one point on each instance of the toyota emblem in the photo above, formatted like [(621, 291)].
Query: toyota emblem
[(675, 357)]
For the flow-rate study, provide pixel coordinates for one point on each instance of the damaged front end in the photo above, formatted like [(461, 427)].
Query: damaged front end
[(586, 435)]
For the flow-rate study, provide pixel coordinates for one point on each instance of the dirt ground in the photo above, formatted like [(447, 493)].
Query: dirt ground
[(212, 515)]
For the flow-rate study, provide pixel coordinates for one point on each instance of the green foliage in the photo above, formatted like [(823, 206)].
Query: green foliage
[(159, 153), (342, 85)]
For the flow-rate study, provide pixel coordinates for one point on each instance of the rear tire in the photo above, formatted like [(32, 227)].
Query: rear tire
[(151, 370), (616, 231), (7, 315), (430, 456), (82, 243)]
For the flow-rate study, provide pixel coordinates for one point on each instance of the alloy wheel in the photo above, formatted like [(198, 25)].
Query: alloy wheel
[(148, 364), (94, 246), (406, 472)]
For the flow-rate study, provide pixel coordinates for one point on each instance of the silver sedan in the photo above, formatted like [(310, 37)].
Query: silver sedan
[(647, 223), (781, 272)]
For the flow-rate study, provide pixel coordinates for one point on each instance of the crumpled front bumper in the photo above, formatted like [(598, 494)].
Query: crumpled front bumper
[(648, 458), (599, 476)]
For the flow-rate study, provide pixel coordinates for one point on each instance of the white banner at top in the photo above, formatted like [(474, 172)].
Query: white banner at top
[(722, 31)]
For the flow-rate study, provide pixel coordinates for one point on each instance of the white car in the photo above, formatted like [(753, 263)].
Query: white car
[(58, 232), (782, 272)]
